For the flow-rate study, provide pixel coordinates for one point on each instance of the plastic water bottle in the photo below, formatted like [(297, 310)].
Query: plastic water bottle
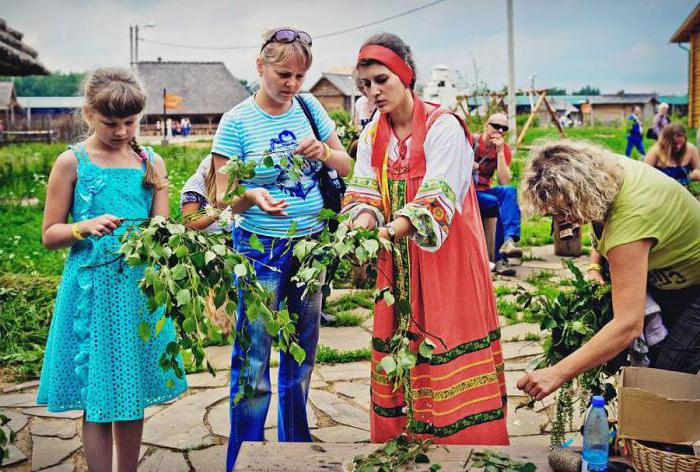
[(595, 438)]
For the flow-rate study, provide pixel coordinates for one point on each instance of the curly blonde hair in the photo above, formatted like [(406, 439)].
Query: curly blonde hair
[(576, 180)]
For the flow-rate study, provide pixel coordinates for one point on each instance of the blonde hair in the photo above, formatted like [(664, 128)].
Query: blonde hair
[(117, 93), (278, 54), (574, 179), (210, 182)]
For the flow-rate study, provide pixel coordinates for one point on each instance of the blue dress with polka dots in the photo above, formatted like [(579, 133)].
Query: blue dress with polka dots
[(95, 360)]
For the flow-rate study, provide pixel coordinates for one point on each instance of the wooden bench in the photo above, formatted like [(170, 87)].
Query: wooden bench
[(489, 220)]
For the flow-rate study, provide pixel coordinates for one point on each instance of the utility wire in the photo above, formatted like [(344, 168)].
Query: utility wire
[(327, 35)]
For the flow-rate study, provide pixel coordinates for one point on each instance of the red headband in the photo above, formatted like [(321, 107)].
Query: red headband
[(390, 59)]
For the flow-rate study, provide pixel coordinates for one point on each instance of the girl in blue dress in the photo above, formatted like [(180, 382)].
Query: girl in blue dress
[(95, 360)]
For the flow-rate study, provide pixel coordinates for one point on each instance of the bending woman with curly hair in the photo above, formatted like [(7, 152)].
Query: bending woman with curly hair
[(647, 227)]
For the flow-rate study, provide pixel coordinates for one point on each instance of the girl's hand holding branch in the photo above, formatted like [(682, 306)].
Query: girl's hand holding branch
[(313, 149), (100, 225)]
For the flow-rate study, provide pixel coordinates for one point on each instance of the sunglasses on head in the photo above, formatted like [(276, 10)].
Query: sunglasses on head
[(498, 127), (288, 36)]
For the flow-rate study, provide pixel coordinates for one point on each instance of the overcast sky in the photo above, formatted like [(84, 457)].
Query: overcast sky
[(613, 45)]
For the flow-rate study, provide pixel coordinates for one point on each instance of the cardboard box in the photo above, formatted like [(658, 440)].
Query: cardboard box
[(659, 405)]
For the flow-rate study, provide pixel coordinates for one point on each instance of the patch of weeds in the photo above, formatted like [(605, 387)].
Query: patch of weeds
[(350, 301), (508, 309), (532, 337), (348, 318), (330, 355), (503, 290)]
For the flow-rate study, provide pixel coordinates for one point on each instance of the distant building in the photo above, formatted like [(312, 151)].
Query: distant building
[(336, 91), (441, 88), (9, 106), (608, 109), (689, 32), (208, 90), (16, 58)]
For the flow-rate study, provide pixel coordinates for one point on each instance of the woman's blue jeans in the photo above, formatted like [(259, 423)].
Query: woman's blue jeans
[(248, 416)]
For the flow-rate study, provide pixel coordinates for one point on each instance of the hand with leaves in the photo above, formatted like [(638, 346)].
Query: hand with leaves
[(261, 198)]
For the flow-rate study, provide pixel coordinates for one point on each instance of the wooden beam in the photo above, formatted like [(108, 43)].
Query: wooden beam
[(553, 114), (530, 118)]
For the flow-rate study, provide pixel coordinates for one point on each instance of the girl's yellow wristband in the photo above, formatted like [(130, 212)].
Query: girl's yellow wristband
[(76, 232)]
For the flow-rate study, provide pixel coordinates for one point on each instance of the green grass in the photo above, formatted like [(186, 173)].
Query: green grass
[(26, 305), (330, 355), (508, 310), (348, 318), (350, 301), (503, 290)]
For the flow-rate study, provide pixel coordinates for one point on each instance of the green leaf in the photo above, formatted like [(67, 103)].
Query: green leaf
[(254, 243), (144, 331), (189, 325), (389, 298), (426, 348), (268, 161), (297, 352), (292, 229), (240, 270), (388, 364), (422, 459), (183, 297), (179, 272), (160, 324), (209, 256)]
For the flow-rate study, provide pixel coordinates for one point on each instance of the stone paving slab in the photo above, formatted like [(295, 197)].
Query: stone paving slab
[(520, 330), (163, 460), (17, 420), (339, 410), (44, 413), (358, 391), (16, 456), (65, 467), (63, 429), (181, 425), (18, 400), (341, 434), (20, 386), (349, 371), (211, 459), (219, 357), (50, 451), (525, 422), (218, 419), (514, 350), (348, 338), (206, 380)]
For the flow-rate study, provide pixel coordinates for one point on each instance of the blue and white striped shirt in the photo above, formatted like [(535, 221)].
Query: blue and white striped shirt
[(247, 131)]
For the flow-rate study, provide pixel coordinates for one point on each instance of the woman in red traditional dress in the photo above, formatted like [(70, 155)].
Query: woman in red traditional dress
[(412, 179)]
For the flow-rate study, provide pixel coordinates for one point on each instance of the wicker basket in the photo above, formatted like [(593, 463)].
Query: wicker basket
[(647, 459)]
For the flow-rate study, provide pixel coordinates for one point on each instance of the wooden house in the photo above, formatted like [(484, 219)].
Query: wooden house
[(207, 91), (16, 58), (689, 32), (336, 91)]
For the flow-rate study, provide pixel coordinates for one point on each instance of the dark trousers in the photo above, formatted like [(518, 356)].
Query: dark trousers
[(680, 310)]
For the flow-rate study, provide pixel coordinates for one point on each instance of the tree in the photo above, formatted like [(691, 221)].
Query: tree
[(556, 91), (55, 85), (587, 90)]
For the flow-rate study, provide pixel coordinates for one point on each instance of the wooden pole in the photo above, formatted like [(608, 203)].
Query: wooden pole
[(553, 114), (530, 118), (511, 73), (165, 113)]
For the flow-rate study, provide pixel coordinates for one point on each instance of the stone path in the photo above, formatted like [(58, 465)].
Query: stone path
[(191, 433)]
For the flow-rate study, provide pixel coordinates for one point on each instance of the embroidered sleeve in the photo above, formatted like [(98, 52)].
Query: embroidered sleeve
[(362, 193), (431, 213), (447, 176)]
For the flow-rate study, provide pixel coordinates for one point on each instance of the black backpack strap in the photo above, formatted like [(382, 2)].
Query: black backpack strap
[(309, 117)]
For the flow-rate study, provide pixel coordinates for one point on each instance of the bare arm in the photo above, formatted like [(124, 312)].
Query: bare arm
[(160, 205), (56, 233), (502, 167), (628, 270), (193, 219), (694, 163), (652, 158)]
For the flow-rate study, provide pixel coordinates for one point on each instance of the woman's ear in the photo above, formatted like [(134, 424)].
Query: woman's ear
[(259, 65)]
